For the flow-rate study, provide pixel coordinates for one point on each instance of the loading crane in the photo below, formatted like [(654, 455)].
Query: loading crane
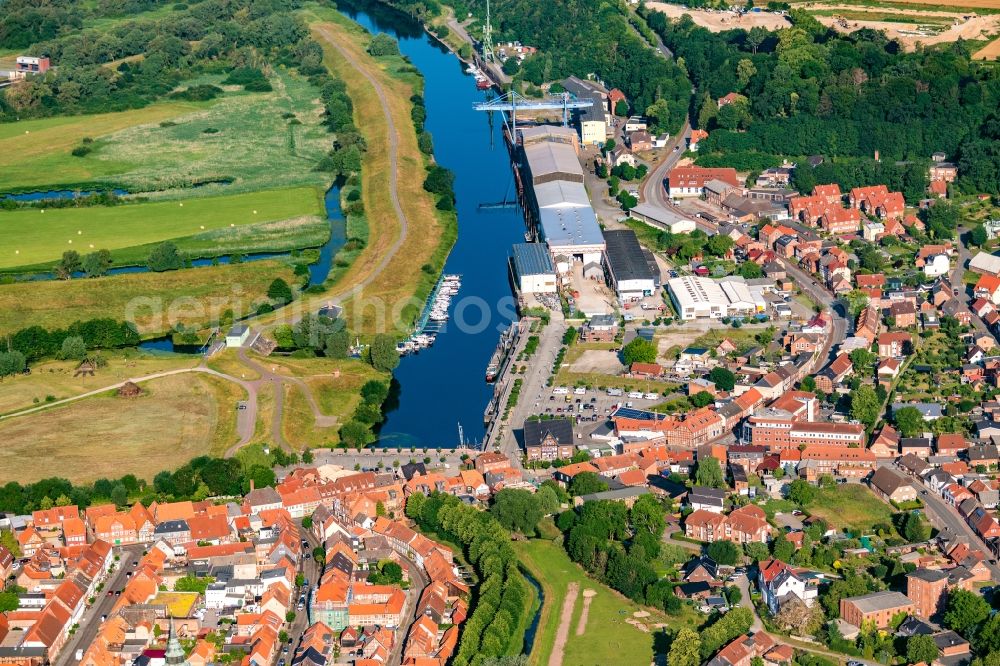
[(512, 102)]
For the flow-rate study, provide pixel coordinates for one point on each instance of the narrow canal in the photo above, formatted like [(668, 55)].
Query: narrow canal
[(445, 385)]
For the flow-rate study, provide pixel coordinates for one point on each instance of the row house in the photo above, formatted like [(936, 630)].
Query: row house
[(744, 525), (817, 461), (878, 201)]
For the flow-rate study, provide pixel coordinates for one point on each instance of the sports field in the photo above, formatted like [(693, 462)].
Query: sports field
[(108, 436), (250, 140), (31, 236), (156, 302), (604, 636)]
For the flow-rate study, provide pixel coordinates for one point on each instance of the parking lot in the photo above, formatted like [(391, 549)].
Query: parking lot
[(590, 405)]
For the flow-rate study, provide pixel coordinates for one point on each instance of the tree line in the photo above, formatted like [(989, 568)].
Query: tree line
[(36, 342), (809, 90), (494, 628), (198, 479)]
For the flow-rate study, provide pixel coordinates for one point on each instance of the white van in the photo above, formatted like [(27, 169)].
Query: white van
[(615, 391), (652, 396), (636, 395), (560, 390), (579, 390)]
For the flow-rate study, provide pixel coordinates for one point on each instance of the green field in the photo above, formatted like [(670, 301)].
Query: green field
[(32, 236), (607, 638), (154, 301), (252, 140), (850, 506)]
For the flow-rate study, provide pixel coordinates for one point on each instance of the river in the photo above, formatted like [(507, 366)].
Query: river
[(444, 385)]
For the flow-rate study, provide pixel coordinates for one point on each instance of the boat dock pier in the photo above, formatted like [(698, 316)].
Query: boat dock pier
[(434, 315)]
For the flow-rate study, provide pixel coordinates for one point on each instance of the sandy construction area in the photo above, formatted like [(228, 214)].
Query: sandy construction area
[(989, 52), (925, 28), (718, 21)]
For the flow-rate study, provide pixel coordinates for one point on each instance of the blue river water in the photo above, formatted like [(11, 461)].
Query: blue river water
[(445, 385)]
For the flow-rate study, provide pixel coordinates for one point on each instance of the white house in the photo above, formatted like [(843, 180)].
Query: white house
[(707, 499), (237, 336), (777, 579), (937, 265)]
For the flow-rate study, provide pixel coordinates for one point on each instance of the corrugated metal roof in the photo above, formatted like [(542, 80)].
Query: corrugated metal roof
[(532, 259), (549, 157), (563, 227), (625, 255), (561, 194)]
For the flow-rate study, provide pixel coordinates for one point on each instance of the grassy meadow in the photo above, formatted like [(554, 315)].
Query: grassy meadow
[(156, 302), (56, 379), (607, 638), (851, 506), (107, 436), (251, 140), (31, 236)]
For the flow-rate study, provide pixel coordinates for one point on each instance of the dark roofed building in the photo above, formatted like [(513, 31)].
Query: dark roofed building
[(548, 439), (626, 265)]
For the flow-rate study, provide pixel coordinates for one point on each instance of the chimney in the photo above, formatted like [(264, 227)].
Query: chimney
[(876, 157), (252, 485)]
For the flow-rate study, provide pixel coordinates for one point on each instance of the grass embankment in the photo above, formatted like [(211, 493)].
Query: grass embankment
[(155, 302), (33, 236), (335, 385), (607, 638), (253, 141), (56, 378), (927, 19), (391, 277), (850, 506), (107, 436)]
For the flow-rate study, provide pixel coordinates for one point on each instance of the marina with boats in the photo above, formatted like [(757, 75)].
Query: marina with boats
[(433, 317)]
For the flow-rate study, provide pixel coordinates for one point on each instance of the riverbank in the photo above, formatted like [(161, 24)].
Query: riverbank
[(408, 237)]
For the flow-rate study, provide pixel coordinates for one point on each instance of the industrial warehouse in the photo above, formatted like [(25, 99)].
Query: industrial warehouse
[(701, 297)]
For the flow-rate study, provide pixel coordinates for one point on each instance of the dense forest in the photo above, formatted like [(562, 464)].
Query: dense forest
[(811, 91), (582, 38)]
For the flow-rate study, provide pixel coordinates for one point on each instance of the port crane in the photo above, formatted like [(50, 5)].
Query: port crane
[(511, 102)]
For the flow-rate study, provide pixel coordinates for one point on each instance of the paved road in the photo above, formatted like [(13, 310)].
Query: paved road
[(943, 515), (957, 282), (533, 384), (311, 570), (418, 581), (90, 622), (653, 189), (743, 582), (836, 313)]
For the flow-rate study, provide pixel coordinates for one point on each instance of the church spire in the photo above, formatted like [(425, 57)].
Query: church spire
[(175, 653)]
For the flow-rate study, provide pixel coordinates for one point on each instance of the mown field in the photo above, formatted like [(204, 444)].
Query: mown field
[(252, 140), (180, 417), (31, 236), (607, 638), (156, 302), (56, 380)]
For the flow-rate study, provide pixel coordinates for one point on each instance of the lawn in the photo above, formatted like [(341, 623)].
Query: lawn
[(33, 236), (55, 378), (178, 418), (607, 638), (850, 506), (251, 140), (155, 302)]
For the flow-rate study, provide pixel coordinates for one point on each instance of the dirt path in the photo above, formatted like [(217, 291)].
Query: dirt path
[(565, 619), (581, 625)]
